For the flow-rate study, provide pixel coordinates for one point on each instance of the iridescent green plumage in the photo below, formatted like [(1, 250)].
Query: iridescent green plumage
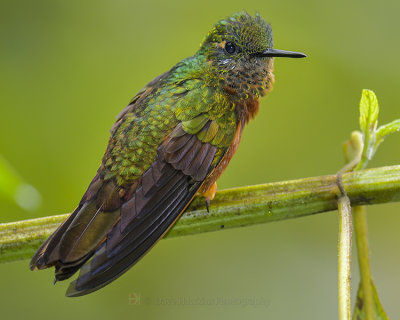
[(172, 141), (180, 95)]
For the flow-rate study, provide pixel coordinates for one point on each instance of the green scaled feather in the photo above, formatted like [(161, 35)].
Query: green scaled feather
[(195, 125)]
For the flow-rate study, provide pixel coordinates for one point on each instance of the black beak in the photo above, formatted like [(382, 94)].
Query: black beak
[(270, 52)]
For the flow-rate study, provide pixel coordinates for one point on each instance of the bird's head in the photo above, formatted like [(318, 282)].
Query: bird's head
[(239, 54)]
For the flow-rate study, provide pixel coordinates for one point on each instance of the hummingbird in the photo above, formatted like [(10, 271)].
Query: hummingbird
[(172, 142)]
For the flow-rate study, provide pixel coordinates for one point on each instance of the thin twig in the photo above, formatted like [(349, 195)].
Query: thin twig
[(361, 230), (344, 261)]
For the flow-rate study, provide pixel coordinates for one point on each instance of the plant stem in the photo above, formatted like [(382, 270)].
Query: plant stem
[(344, 261), (361, 230), (236, 207), (361, 234)]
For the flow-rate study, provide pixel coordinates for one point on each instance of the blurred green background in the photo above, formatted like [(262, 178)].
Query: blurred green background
[(69, 67)]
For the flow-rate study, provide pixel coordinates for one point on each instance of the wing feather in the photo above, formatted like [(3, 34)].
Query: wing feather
[(165, 191)]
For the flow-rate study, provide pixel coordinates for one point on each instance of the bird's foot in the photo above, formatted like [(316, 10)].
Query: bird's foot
[(209, 195)]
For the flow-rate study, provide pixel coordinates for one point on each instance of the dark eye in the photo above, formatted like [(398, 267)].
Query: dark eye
[(230, 47)]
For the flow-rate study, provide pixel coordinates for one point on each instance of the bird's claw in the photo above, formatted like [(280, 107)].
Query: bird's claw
[(208, 204)]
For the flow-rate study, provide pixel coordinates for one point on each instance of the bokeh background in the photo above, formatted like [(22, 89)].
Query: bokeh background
[(69, 67)]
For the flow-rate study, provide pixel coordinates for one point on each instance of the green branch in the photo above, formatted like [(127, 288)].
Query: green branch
[(358, 152), (360, 226), (344, 263), (236, 207)]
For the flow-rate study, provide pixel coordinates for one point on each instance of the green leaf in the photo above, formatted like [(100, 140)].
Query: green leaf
[(9, 179), (385, 130), (369, 110), (359, 309), (14, 189)]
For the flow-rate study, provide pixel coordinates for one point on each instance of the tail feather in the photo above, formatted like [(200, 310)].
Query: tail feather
[(106, 266), (75, 241), (41, 259)]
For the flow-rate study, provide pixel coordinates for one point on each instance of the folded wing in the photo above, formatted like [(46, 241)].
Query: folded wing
[(113, 228)]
